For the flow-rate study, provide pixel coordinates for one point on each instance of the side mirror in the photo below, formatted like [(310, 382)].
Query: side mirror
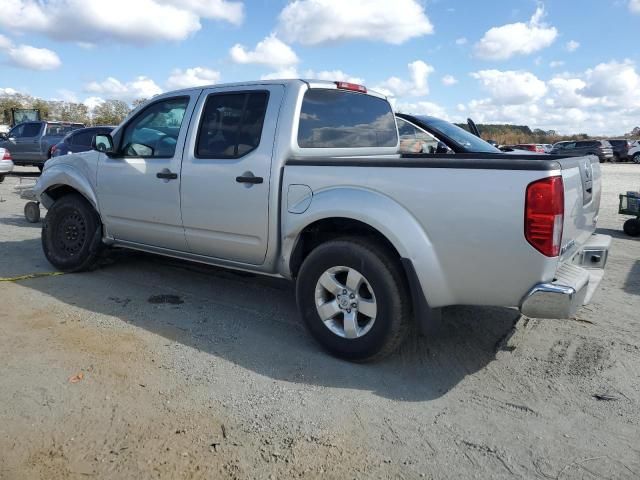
[(102, 143)]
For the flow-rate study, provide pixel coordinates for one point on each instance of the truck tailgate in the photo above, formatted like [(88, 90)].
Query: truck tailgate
[(582, 188)]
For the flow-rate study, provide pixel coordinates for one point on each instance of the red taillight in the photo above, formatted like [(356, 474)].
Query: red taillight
[(539, 149), (544, 215), (7, 155), (351, 86)]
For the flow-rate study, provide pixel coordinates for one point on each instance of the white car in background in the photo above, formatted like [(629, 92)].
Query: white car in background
[(634, 151), (6, 163)]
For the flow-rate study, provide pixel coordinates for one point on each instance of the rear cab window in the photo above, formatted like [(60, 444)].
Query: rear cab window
[(343, 119)]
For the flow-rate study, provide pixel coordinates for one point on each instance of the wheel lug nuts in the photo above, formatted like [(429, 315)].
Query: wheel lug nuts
[(354, 305), (352, 296), (344, 292)]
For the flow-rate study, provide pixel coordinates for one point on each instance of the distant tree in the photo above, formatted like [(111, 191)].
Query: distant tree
[(136, 103), (43, 106), (110, 112)]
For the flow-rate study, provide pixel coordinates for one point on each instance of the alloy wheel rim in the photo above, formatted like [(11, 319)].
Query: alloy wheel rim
[(345, 302)]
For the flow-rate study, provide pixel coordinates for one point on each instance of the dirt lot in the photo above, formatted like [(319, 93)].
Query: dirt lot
[(225, 383)]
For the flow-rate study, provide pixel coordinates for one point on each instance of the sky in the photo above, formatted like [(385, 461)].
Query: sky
[(567, 65)]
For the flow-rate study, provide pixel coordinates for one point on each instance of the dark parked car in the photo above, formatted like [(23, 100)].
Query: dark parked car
[(620, 149), (30, 142), (600, 148), (78, 140)]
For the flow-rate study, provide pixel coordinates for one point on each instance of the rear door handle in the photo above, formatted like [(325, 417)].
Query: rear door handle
[(166, 174), (249, 179)]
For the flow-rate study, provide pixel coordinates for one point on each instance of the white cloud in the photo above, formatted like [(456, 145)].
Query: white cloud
[(94, 21), (333, 76), (422, 108), (501, 43), (230, 11), (418, 85), (311, 22), (511, 87), (271, 51), (8, 91), (32, 58), (613, 80), (461, 41), (449, 80), (572, 45), (289, 72), (5, 43), (568, 93), (93, 102), (140, 87), (26, 56), (329, 75), (192, 77), (603, 100), (67, 95), (556, 64), (634, 6)]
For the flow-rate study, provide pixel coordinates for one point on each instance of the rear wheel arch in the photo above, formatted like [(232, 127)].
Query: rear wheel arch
[(326, 229)]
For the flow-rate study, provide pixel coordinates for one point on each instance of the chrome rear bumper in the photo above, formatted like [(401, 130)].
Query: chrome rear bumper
[(574, 285)]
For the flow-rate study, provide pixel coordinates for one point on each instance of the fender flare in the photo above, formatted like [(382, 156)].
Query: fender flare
[(384, 215), (64, 175)]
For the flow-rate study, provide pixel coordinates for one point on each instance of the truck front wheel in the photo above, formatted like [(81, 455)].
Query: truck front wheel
[(72, 234), (352, 296)]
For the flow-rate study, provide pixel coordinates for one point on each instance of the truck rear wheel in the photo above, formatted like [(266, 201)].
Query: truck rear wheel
[(72, 234), (352, 296)]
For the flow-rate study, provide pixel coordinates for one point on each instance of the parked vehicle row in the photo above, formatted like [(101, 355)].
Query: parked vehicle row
[(303, 180), (30, 143)]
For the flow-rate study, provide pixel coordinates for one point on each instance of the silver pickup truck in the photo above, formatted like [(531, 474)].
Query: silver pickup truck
[(30, 142), (303, 180)]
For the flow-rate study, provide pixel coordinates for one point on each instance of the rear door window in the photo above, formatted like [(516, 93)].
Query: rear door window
[(231, 124), (342, 119)]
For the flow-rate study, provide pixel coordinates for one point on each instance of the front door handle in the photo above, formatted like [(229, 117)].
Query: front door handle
[(167, 174), (250, 179)]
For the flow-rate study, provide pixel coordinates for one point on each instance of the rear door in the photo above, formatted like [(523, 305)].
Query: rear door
[(226, 173)]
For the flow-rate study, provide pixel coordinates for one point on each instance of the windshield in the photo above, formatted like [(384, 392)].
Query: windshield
[(465, 140)]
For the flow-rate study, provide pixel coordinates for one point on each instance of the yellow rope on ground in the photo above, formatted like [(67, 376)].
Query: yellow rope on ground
[(30, 276)]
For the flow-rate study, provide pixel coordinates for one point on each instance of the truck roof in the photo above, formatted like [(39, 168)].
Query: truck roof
[(312, 83)]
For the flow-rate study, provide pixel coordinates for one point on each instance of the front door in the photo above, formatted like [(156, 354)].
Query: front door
[(226, 173), (139, 185), (24, 141)]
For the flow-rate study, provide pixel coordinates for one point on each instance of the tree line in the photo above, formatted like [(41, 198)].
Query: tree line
[(517, 134), (109, 112)]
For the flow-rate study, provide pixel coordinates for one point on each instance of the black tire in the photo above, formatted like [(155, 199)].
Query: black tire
[(32, 212), (1, 178), (72, 234), (636, 157), (616, 158), (40, 167), (385, 276), (632, 227)]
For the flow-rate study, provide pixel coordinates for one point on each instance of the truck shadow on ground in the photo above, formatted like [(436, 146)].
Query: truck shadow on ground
[(253, 322)]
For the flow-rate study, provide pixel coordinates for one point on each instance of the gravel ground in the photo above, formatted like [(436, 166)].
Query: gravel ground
[(154, 368)]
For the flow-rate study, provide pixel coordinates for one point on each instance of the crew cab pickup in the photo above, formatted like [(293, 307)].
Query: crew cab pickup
[(30, 142), (303, 180)]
